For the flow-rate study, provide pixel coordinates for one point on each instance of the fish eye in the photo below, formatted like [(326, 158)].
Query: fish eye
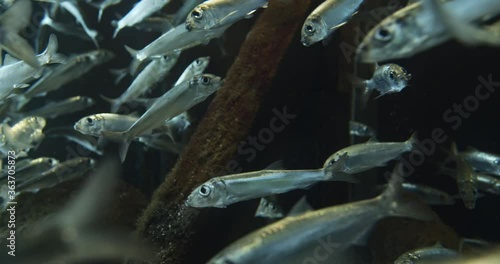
[(204, 190), (497, 162), (392, 75), (90, 120), (197, 14), (310, 29), (383, 34), (205, 80)]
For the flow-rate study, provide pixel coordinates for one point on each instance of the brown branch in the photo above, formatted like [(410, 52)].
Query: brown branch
[(167, 221)]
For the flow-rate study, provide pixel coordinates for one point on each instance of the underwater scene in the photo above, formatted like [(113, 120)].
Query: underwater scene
[(250, 131)]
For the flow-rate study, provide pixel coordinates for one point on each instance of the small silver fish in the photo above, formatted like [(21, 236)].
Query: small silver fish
[(65, 28), (365, 156), (482, 161), (73, 9), (387, 78), (487, 183), (22, 136), (339, 227), (177, 127), (176, 39), (175, 101), (466, 179), (361, 130), (34, 168), (94, 125), (327, 18), (73, 69), (16, 18), (221, 13), (63, 107), (147, 79), (17, 74), (423, 255), (196, 67), (103, 6), (415, 28), (429, 195), (162, 142), (139, 12), (269, 208)]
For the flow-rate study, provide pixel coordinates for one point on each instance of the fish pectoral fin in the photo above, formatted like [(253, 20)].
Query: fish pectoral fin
[(460, 30), (226, 17)]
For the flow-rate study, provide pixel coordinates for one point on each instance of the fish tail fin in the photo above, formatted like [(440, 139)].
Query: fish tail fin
[(361, 84), (115, 103), (99, 15), (399, 203), (119, 73), (413, 140), (117, 29), (131, 51)]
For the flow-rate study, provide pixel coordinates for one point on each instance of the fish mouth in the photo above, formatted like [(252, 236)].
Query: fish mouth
[(305, 42)]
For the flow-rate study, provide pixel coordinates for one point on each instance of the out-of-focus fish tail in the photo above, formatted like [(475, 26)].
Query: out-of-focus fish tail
[(115, 103), (399, 203)]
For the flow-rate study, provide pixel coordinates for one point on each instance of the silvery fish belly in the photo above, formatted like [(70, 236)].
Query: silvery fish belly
[(24, 135)]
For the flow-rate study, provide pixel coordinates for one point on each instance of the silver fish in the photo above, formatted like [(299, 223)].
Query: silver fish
[(482, 161), (22, 136), (176, 39), (86, 141), (147, 79), (187, 6), (34, 168), (422, 255), (339, 227), (430, 195), (73, 69), (162, 142), (177, 127), (361, 130), (226, 190), (487, 183), (365, 156), (66, 106), (139, 12), (61, 172), (65, 28), (17, 74), (415, 28), (221, 13), (94, 125), (103, 6), (177, 100), (16, 18), (196, 67), (387, 78), (466, 179), (327, 18), (73, 9)]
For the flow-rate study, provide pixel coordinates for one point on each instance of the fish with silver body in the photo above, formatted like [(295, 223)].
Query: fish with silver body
[(22, 136), (466, 178), (387, 78), (429, 195), (196, 67), (226, 190), (174, 102), (213, 14), (368, 155), (74, 68), (94, 125), (16, 74), (482, 161), (73, 8), (161, 142), (63, 107), (327, 18), (341, 226), (31, 170), (269, 208), (13, 20), (65, 28), (416, 28), (361, 130), (176, 39), (146, 80), (138, 13), (422, 255), (102, 6), (488, 183)]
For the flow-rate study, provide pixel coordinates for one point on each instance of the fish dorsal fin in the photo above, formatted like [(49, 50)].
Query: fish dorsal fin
[(302, 206), (9, 60), (372, 140), (277, 165)]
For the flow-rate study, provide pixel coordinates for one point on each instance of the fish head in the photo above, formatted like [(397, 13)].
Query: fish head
[(48, 161), (468, 192), (201, 64), (34, 122), (90, 125), (210, 194), (201, 17), (313, 30), (392, 38), (407, 258), (396, 76), (206, 83), (102, 55)]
